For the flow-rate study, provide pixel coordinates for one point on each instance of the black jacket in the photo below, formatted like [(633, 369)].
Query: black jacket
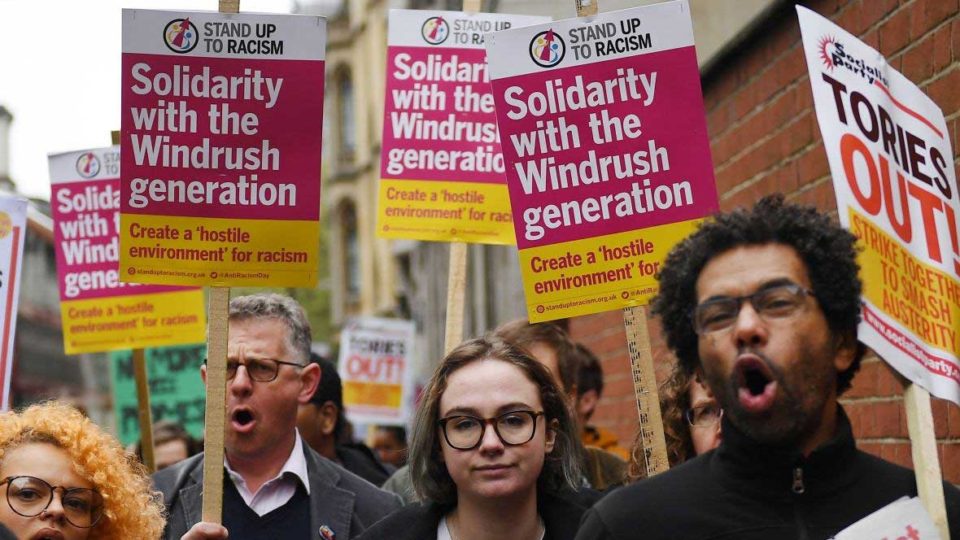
[(361, 461), (561, 514), (746, 491), (339, 500)]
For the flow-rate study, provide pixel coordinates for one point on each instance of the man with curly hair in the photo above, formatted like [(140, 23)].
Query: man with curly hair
[(275, 485), (766, 303)]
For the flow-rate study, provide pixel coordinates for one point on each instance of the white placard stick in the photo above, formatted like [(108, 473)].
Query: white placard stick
[(926, 466)]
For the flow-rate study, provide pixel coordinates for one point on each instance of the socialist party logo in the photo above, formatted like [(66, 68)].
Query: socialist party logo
[(547, 49), (181, 36), (88, 165), (435, 30)]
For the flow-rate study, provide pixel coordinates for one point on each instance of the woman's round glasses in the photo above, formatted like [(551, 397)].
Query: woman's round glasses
[(29, 496), (513, 428), (703, 415)]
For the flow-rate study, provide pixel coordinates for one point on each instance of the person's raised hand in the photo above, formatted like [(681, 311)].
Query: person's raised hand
[(206, 531)]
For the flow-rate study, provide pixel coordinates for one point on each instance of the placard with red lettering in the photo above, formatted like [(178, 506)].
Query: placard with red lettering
[(441, 167), (375, 367), (903, 519), (13, 231), (220, 148), (606, 149), (890, 155), (98, 311)]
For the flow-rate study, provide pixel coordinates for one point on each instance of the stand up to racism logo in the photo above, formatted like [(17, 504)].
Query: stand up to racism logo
[(88, 165), (181, 36), (547, 49), (435, 30)]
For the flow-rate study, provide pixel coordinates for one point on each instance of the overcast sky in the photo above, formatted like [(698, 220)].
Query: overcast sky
[(60, 75)]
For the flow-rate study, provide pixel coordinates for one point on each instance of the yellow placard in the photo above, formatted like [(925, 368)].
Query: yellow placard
[(133, 322), (445, 211), (218, 252), (918, 296), (597, 274), (373, 394)]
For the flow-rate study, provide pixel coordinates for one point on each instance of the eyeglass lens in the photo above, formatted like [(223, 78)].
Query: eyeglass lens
[(30, 496), (704, 415), (513, 428), (260, 370)]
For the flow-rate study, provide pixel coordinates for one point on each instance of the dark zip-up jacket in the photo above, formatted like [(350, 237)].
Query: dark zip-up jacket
[(746, 491), (561, 514)]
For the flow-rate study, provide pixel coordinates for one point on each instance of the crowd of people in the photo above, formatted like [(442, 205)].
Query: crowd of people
[(759, 306)]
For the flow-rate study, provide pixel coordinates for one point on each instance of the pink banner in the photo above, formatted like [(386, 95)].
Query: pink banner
[(242, 134), (605, 148), (86, 216)]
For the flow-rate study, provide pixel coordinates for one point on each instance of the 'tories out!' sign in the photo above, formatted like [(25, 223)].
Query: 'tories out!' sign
[(606, 150), (220, 128), (375, 367), (441, 165), (893, 174), (100, 312)]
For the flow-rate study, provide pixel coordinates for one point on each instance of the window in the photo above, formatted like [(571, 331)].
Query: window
[(347, 143)]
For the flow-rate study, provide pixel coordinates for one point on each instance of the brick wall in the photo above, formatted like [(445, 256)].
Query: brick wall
[(765, 138)]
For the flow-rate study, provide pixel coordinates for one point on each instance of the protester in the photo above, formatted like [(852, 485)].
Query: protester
[(492, 453), (64, 478), (321, 423), (589, 391), (171, 444), (390, 444), (766, 302), (275, 486), (691, 422)]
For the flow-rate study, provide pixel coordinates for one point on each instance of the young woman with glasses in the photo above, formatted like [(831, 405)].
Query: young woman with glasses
[(491, 454), (63, 478)]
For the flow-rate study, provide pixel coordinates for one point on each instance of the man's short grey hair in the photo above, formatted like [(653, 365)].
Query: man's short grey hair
[(279, 307)]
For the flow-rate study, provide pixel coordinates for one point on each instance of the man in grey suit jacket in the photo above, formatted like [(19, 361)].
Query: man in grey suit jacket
[(275, 486)]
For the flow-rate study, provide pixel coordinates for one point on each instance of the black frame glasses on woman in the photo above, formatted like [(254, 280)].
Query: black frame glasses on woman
[(513, 428), (82, 507)]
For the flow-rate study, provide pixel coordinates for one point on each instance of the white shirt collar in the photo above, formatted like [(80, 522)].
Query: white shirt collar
[(296, 464)]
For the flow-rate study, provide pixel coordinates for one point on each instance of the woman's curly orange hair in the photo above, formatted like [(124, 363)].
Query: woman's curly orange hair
[(131, 510)]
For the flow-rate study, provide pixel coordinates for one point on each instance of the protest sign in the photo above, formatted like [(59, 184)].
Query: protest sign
[(441, 166), (606, 151), (176, 389), (99, 312), (375, 367), (904, 519), (892, 164), (220, 148), (13, 221)]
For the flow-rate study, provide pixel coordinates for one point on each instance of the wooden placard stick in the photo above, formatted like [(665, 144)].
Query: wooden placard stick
[(143, 388), (456, 293), (145, 413), (645, 388), (926, 466), (213, 419), (217, 319), (641, 358), (457, 276)]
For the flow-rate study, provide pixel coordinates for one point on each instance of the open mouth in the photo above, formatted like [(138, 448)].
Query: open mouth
[(242, 419), (756, 387)]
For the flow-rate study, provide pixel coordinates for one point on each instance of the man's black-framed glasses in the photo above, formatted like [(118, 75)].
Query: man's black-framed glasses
[(30, 496), (258, 369), (773, 302), (465, 432), (705, 415)]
